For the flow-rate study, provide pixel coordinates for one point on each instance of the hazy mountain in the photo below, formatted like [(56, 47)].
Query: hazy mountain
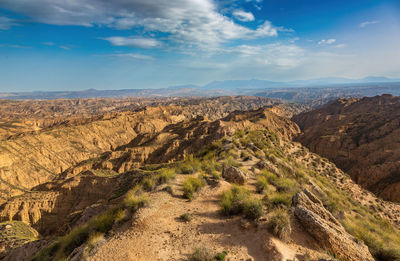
[(229, 87)]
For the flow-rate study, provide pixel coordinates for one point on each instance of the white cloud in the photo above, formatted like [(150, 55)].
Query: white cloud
[(15, 46), (136, 42), (327, 41), (187, 22), (366, 23), (340, 46), (136, 56), (6, 23), (243, 16), (283, 56)]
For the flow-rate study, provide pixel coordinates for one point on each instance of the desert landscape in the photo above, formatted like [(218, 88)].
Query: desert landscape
[(199, 130), (196, 178)]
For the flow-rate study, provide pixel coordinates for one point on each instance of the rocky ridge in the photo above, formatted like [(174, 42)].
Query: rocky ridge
[(362, 137)]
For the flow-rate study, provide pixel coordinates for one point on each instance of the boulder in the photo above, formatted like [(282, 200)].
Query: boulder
[(327, 230), (234, 175)]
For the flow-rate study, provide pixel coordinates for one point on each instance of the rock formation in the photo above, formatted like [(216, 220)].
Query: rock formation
[(362, 137), (324, 227), (234, 175)]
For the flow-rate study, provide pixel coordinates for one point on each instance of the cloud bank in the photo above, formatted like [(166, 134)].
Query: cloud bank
[(189, 22)]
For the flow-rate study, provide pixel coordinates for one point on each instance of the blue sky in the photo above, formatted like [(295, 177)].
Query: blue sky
[(82, 44)]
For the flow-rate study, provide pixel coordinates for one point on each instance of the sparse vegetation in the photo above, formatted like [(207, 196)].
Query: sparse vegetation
[(190, 186), (279, 223), (262, 184), (94, 239), (221, 256), (165, 175), (186, 217), (279, 200), (201, 254), (238, 200)]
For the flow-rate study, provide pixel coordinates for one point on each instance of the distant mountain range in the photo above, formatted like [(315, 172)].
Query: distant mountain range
[(228, 87), (256, 84)]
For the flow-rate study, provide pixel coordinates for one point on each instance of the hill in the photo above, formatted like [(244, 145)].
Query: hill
[(362, 137), (188, 182)]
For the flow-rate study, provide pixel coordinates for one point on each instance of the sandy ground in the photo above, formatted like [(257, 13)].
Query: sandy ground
[(159, 234)]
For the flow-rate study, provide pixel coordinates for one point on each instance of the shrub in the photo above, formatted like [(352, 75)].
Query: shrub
[(134, 199), (94, 239), (69, 242), (165, 176), (229, 161), (271, 177), (186, 217), (232, 200), (104, 222), (279, 224), (221, 256), (284, 184), (253, 208), (186, 169), (238, 200), (190, 186), (280, 199), (245, 155), (148, 184), (201, 254), (262, 184)]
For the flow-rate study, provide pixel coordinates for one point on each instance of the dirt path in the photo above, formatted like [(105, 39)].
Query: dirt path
[(159, 234)]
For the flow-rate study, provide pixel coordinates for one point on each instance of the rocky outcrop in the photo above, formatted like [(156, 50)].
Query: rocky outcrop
[(325, 228), (234, 175), (362, 137), (52, 206)]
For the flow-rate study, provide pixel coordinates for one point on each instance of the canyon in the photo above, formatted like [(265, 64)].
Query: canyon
[(108, 179)]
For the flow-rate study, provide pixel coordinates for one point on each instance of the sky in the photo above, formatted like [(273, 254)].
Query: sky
[(48, 45)]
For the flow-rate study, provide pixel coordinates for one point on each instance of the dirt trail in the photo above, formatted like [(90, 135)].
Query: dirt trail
[(159, 234)]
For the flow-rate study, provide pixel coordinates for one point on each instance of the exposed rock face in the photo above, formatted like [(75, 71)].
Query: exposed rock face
[(362, 136), (324, 227), (234, 175), (35, 157), (48, 208), (78, 187)]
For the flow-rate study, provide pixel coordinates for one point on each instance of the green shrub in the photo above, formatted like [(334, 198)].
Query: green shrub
[(135, 199), (271, 177), (232, 200), (221, 256), (279, 223), (186, 169), (229, 161), (261, 184), (72, 240), (201, 254), (165, 176), (104, 222), (148, 184), (245, 155), (280, 199), (253, 208), (186, 217), (284, 184), (94, 239), (238, 200), (190, 186)]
